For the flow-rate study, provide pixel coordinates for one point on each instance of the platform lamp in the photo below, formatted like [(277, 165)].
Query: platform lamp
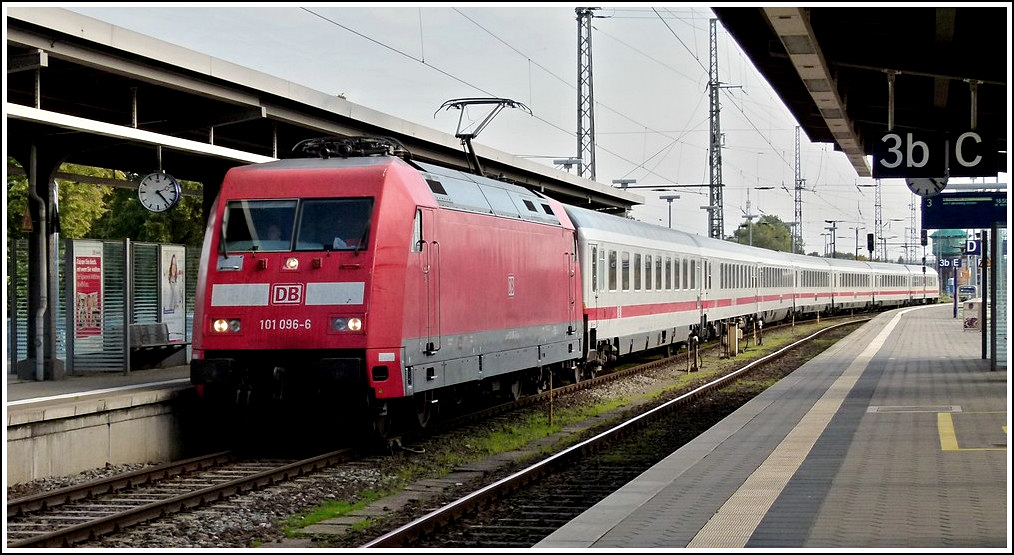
[(623, 182), (567, 163), (669, 199)]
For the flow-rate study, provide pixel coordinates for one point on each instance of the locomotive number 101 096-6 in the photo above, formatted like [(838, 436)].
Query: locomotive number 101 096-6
[(285, 324)]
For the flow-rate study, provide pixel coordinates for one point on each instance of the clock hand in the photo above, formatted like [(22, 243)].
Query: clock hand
[(159, 193)]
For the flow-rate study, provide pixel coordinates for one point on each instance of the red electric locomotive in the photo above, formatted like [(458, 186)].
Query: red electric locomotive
[(371, 285)]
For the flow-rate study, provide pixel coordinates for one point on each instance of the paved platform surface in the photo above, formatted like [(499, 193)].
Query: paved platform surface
[(895, 437), (20, 391)]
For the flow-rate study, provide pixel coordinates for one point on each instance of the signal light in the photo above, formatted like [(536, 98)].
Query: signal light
[(226, 326), (343, 324)]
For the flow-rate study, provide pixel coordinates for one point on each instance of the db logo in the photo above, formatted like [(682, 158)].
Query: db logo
[(287, 293)]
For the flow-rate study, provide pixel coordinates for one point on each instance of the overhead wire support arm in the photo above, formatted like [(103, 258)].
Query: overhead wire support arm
[(466, 138), (662, 186)]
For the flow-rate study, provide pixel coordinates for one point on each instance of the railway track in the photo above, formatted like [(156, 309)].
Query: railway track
[(519, 510), (65, 517)]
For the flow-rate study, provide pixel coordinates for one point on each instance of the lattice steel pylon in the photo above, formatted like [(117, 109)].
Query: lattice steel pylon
[(912, 231), (797, 228), (878, 223), (585, 95), (716, 219)]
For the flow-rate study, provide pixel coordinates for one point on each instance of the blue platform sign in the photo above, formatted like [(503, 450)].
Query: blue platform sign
[(965, 210), (973, 247)]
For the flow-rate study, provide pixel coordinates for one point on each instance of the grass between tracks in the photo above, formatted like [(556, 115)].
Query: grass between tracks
[(538, 425)]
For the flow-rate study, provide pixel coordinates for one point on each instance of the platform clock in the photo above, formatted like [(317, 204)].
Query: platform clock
[(926, 186), (159, 192)]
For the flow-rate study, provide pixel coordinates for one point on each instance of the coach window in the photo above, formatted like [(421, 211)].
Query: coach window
[(648, 285), (594, 268), (658, 272), (625, 270), (693, 273), (612, 270), (602, 268), (637, 272), (668, 273)]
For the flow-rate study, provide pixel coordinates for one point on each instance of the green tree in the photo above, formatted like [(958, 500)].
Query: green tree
[(79, 204), (769, 232), (125, 217), (91, 211)]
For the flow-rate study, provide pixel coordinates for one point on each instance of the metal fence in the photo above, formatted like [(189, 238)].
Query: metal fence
[(107, 286)]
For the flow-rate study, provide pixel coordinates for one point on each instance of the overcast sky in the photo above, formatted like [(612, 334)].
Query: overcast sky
[(650, 76)]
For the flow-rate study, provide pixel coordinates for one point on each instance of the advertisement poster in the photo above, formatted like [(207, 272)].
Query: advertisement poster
[(172, 280), (87, 296)]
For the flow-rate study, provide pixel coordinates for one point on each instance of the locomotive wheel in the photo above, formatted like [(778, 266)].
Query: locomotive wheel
[(424, 408), (383, 422), (382, 426), (515, 391)]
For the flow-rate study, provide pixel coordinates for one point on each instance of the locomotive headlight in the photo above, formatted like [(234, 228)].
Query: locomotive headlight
[(342, 323), (222, 325), (291, 264)]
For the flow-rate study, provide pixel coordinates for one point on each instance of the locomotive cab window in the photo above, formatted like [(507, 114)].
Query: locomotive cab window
[(264, 225), (302, 225), (334, 224)]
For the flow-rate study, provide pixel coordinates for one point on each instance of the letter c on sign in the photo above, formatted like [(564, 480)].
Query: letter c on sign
[(957, 149)]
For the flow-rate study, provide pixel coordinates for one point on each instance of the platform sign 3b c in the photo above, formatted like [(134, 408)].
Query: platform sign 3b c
[(969, 153)]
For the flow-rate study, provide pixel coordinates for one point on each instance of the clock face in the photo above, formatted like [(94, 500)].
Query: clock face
[(926, 186), (158, 192)]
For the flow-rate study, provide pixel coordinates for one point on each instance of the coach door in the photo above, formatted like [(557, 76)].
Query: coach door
[(429, 248), (569, 265)]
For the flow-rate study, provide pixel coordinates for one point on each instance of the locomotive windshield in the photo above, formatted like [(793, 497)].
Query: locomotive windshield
[(296, 224)]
